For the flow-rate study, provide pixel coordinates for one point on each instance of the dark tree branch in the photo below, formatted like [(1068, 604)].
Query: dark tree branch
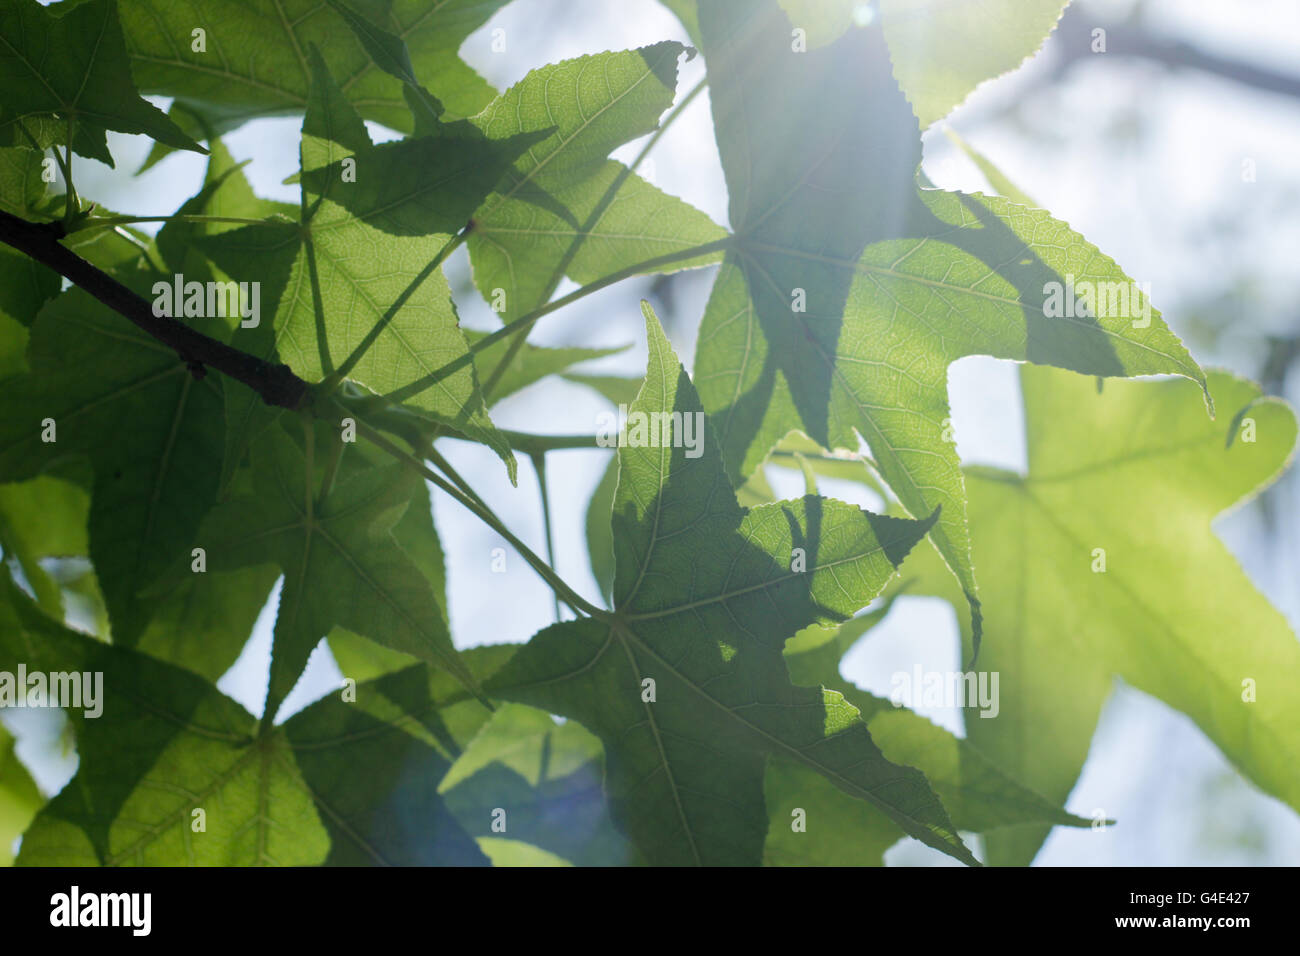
[(276, 384), (1074, 43)]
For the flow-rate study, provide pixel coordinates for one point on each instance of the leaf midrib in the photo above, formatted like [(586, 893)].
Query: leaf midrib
[(778, 743)]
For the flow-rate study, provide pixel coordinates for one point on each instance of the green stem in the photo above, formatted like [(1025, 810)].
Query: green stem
[(525, 322), (331, 468), (680, 108), (444, 466), (531, 444), (71, 204), (416, 432), (106, 222), (557, 584), (419, 432), (539, 466)]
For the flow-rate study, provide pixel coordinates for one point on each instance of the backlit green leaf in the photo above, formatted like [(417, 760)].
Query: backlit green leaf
[(164, 745), (255, 61), (148, 428), (705, 595), (343, 280), (565, 208), (19, 798), (845, 298), (341, 563), (546, 778), (1102, 562), (942, 50), (70, 60)]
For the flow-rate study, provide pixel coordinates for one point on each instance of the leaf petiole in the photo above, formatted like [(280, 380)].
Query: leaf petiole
[(525, 322), (557, 584)]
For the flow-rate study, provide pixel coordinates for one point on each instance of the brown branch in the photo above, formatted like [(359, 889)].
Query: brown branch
[(276, 384), (1074, 42)]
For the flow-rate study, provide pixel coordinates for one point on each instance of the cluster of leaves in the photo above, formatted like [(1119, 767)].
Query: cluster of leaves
[(750, 721)]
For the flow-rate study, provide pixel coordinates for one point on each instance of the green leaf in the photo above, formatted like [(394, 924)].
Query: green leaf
[(342, 566), (376, 759), (834, 312), (342, 280), (44, 518), (389, 53), (547, 780), (256, 61), (165, 744), (270, 253), (796, 450), (515, 853), (184, 248), (600, 538), (203, 623), (1139, 472), (835, 830), (22, 188), (824, 21), (387, 50), (225, 194), (532, 363), (148, 428), (411, 187), (20, 798), (705, 596), (125, 251), (356, 780), (25, 285), (189, 118), (935, 61), (47, 515), (13, 340), (756, 490), (70, 60), (565, 208), (977, 794), (838, 831), (686, 12), (358, 657), (813, 823), (619, 390), (1001, 184), (376, 785)]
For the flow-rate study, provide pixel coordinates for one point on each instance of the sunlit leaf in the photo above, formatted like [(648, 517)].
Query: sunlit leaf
[(705, 596), (1102, 562)]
